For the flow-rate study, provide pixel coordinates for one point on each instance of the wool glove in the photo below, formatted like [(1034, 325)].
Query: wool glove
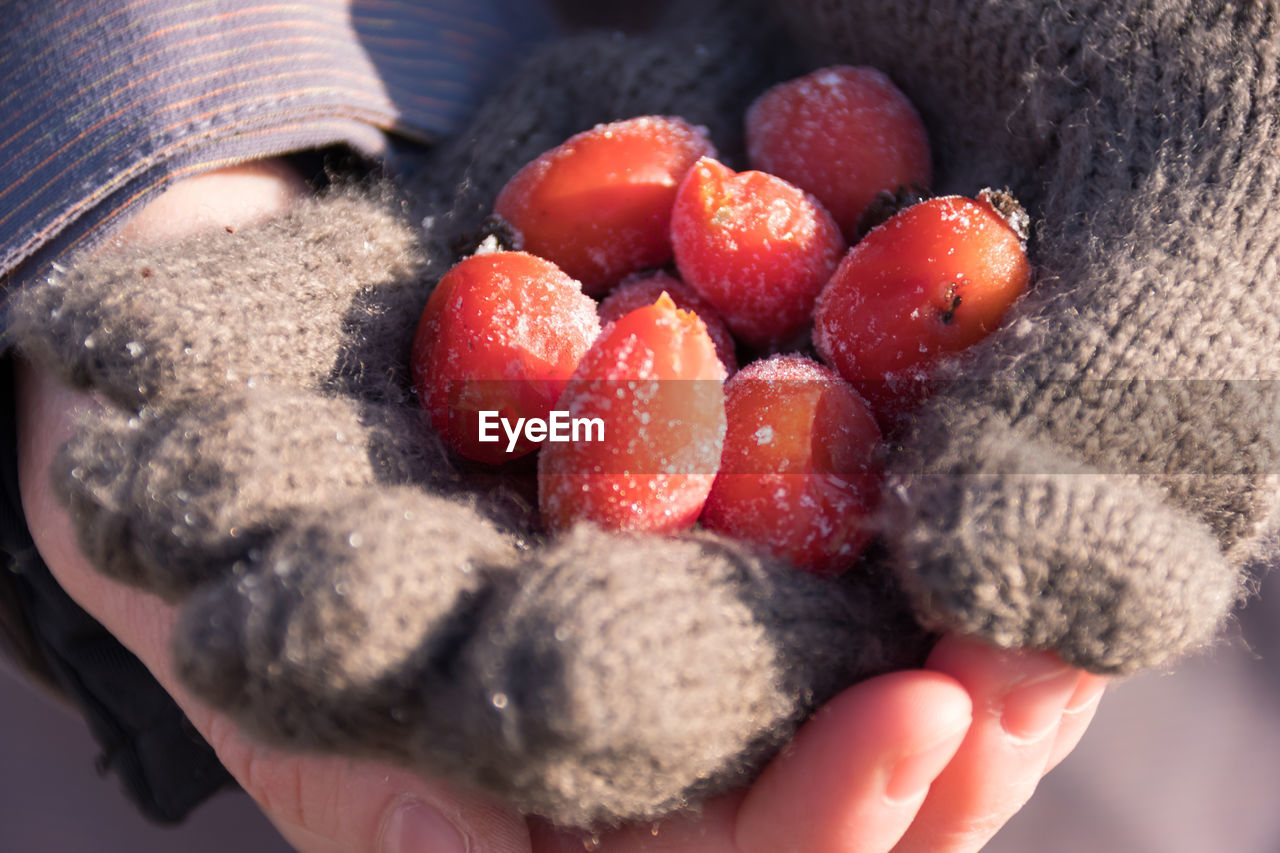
[(1091, 480), (1095, 477)]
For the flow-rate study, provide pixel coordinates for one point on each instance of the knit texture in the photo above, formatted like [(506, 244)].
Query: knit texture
[(1093, 479), (1114, 449)]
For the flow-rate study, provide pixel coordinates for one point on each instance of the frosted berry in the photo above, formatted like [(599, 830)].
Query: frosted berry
[(844, 134), (799, 474), (656, 386), (501, 332), (932, 280), (598, 205), (644, 289), (755, 247)]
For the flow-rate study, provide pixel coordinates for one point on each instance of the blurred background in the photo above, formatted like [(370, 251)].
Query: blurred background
[(53, 800), (1182, 762)]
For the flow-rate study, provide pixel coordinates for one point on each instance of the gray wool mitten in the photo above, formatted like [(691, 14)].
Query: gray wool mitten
[(1095, 477), (1092, 480)]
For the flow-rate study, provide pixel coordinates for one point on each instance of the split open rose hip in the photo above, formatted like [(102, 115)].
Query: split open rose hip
[(498, 340), (755, 247), (644, 289), (599, 204), (653, 383)]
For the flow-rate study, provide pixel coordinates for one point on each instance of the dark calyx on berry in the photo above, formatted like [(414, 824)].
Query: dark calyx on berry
[(949, 314), (887, 204), (1010, 209), (494, 229)]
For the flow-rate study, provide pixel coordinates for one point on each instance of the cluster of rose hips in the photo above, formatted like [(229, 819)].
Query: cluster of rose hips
[(695, 266)]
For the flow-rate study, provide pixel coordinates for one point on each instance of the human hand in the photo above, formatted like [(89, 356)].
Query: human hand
[(921, 759), (936, 759)]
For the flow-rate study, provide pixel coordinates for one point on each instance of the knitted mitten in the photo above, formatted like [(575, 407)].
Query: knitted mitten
[(1091, 480), (1096, 475)]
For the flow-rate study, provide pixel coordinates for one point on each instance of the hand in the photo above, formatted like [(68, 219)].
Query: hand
[(934, 759)]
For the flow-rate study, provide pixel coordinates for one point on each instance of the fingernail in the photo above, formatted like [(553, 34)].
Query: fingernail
[(1087, 693), (418, 828), (1033, 708), (912, 776)]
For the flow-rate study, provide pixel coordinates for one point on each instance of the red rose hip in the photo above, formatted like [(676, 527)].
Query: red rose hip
[(933, 279), (644, 289), (844, 134), (654, 384), (598, 205), (799, 474), (501, 333), (755, 247)]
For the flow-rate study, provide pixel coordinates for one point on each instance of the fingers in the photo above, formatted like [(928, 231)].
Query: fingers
[(850, 782), (859, 776), (857, 773), (1077, 717), (709, 830), (1019, 700)]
